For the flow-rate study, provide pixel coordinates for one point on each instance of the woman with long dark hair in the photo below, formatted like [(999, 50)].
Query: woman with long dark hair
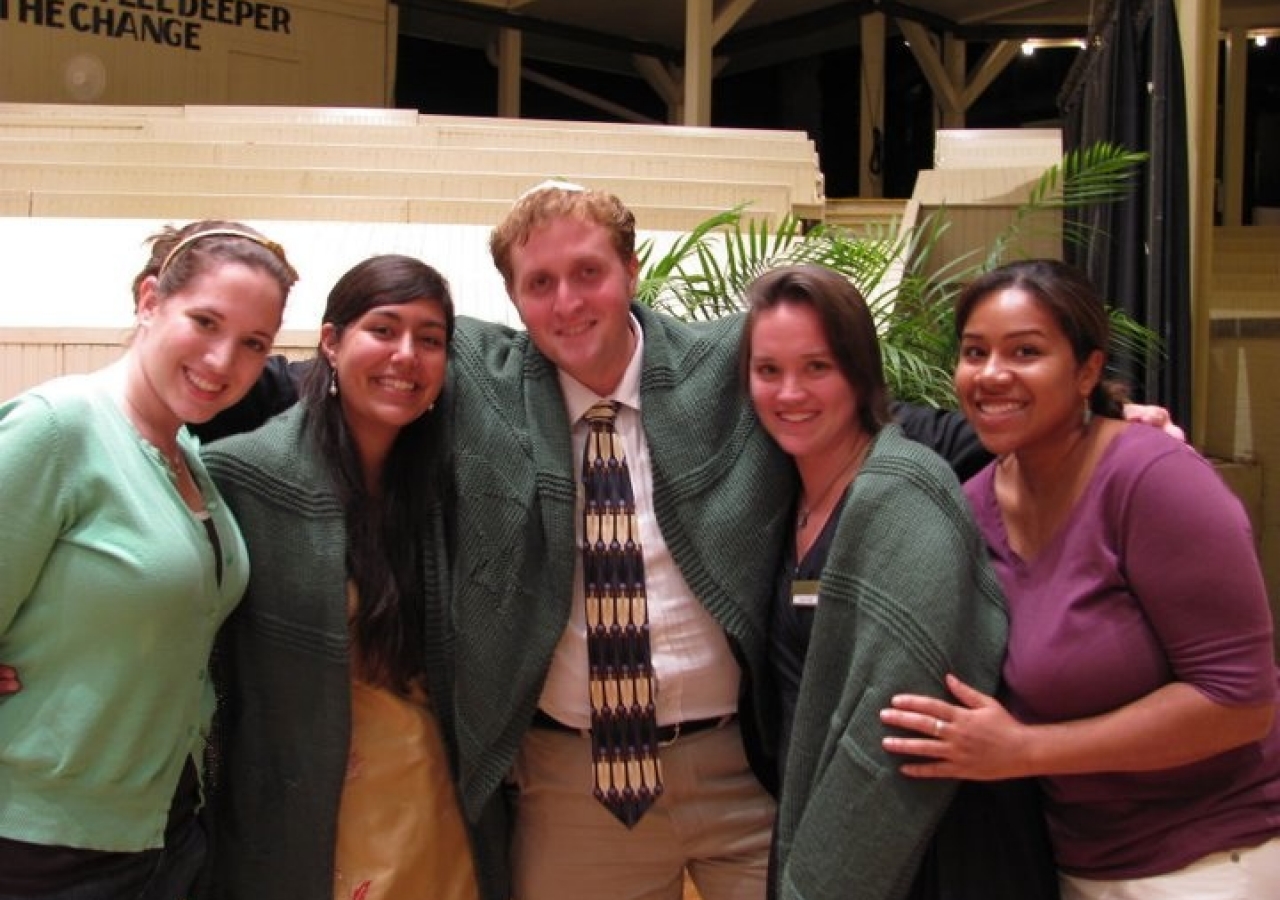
[(333, 778)]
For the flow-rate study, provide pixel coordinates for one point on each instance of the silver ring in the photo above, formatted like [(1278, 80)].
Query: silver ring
[(937, 727)]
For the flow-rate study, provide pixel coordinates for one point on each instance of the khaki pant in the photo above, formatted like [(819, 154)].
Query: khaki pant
[(1249, 873), (713, 817)]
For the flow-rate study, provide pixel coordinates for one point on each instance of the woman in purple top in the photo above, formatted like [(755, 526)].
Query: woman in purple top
[(1140, 682)]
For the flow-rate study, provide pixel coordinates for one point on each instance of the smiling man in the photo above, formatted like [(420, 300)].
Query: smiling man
[(700, 473)]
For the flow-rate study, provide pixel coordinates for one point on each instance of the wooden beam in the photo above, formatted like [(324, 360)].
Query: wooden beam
[(391, 52), (953, 61), (510, 50), (699, 33), (921, 42), (1233, 144), (871, 115), (728, 17), (993, 62), (1198, 30), (667, 82)]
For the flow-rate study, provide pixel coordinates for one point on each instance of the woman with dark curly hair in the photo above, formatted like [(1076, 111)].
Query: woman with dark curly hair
[(1140, 682)]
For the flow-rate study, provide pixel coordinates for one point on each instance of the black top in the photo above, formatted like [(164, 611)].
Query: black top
[(274, 392), (947, 433), (790, 625)]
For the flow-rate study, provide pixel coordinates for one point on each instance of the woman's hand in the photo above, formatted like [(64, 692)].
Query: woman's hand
[(1155, 416), (977, 740), (1172, 726), (9, 683)]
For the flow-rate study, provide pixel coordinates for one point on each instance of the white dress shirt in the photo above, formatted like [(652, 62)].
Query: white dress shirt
[(696, 674)]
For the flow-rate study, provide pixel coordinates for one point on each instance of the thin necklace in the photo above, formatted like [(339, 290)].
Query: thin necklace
[(172, 458), (855, 460)]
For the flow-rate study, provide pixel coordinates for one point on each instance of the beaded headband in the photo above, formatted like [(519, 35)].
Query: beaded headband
[(275, 249)]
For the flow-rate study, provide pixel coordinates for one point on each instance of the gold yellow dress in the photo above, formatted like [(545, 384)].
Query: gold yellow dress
[(400, 829)]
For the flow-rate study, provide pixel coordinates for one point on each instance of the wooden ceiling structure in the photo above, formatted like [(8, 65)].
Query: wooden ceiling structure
[(681, 46)]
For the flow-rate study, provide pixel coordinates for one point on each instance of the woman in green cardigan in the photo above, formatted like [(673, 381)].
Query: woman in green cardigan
[(118, 561), (884, 585)]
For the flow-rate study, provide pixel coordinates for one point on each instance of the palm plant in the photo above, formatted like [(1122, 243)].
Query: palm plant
[(705, 272)]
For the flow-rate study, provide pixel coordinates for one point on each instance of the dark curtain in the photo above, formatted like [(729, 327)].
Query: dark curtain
[(1127, 88)]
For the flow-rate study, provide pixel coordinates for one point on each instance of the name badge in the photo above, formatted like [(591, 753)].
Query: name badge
[(804, 594)]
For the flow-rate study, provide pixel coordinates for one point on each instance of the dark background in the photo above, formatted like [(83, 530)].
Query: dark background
[(819, 95)]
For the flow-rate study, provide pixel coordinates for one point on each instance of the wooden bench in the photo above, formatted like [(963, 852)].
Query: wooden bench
[(651, 167), (534, 164)]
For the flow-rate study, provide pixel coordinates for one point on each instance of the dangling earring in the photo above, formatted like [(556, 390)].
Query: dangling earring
[(333, 383), (1088, 414)]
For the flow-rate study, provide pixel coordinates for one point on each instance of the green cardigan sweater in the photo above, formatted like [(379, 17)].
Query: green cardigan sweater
[(906, 596), (722, 496)]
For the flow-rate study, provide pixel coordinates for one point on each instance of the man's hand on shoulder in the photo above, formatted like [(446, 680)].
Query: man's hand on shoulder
[(1156, 416)]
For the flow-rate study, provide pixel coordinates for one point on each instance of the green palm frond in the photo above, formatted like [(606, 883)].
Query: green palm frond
[(1090, 176), (705, 273), (1130, 338)]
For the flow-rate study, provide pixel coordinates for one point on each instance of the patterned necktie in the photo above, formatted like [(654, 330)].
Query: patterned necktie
[(624, 743)]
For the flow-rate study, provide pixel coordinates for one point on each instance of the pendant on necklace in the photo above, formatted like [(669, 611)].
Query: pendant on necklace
[(172, 464)]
